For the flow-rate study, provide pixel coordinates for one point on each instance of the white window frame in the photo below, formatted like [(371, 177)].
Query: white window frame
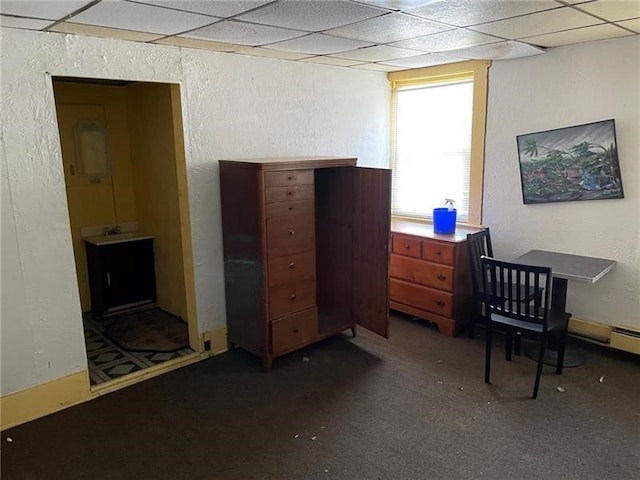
[(477, 71)]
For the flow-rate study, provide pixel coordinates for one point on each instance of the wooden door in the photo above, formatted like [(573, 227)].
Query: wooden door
[(371, 234)]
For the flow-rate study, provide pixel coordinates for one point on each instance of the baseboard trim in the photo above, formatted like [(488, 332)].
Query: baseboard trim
[(593, 331), (44, 399)]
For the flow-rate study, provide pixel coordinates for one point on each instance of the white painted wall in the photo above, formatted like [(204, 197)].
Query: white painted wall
[(233, 107), (564, 87)]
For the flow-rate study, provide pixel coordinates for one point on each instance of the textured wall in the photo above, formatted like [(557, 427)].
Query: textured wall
[(569, 86), (233, 106)]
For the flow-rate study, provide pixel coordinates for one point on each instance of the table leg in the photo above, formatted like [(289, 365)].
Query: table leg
[(572, 357)]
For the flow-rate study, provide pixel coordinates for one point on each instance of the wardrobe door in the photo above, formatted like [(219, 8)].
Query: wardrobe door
[(371, 234)]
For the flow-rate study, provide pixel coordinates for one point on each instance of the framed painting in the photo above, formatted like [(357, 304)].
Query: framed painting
[(570, 164)]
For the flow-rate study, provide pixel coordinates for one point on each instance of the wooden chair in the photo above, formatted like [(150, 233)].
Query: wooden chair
[(504, 285), (479, 244)]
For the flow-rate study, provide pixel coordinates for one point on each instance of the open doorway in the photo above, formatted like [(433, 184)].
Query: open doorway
[(125, 176)]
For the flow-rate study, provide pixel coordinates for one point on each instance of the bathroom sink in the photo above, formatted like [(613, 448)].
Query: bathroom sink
[(117, 238)]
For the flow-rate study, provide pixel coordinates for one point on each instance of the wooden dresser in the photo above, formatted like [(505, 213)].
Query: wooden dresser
[(306, 243), (429, 275)]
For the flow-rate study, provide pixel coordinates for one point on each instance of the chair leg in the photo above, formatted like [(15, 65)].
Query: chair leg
[(561, 348), (487, 359), (539, 369), (517, 344), (508, 346)]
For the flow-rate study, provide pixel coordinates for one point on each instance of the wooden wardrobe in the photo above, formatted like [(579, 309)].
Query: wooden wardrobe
[(306, 250)]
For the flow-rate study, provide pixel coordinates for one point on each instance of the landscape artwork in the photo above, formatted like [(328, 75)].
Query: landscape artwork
[(570, 164)]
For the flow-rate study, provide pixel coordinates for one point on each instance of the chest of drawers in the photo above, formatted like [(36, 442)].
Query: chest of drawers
[(429, 275), (306, 245)]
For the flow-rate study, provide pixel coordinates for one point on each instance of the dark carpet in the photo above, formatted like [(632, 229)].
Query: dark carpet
[(411, 407), (150, 330)]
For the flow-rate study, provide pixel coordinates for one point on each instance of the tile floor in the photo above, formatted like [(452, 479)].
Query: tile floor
[(107, 361)]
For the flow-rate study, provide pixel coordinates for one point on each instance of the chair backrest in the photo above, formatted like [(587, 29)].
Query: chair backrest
[(505, 285), (479, 244)]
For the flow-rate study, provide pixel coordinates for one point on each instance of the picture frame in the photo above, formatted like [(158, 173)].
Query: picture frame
[(570, 164)]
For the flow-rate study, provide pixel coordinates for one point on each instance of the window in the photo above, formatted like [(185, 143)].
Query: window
[(438, 139)]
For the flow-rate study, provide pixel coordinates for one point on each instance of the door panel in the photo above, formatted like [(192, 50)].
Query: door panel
[(371, 235)]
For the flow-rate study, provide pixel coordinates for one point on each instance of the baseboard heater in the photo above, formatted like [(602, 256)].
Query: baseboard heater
[(599, 339), (625, 339)]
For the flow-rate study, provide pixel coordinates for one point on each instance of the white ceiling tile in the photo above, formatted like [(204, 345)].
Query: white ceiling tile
[(41, 9), (144, 18), (378, 67), (270, 53), (498, 51), (319, 44), (539, 23), (463, 13), (579, 35), (243, 33), (25, 23), (613, 10), (312, 16), (377, 53), (631, 24), (400, 4), (426, 60), (388, 28), (338, 62), (448, 40), (104, 32), (217, 8), (200, 44)]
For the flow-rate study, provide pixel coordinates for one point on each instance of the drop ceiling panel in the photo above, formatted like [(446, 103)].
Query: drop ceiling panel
[(498, 51), (426, 60), (463, 13), (388, 28), (449, 40), (587, 34), (378, 67), (377, 53), (613, 10), (319, 44), (144, 18), (338, 62), (270, 53), (312, 16), (104, 32), (551, 21), (200, 44), (216, 8), (24, 23), (41, 9), (631, 24), (243, 33)]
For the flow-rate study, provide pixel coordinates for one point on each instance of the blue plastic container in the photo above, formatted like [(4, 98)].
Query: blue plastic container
[(444, 221)]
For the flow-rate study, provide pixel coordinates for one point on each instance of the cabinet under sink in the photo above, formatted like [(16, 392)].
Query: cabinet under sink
[(121, 271)]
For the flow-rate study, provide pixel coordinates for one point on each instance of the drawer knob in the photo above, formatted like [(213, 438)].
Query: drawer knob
[(290, 208), (440, 303), (407, 246), (292, 297), (292, 265), (292, 232), (438, 253), (290, 177), (296, 330), (290, 193), (441, 277)]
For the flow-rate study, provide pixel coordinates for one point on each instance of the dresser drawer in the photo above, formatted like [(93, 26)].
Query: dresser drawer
[(438, 252), (424, 273), (283, 194), (291, 268), (293, 331), (408, 246), (426, 298), (291, 298), (288, 177), (289, 207), (290, 234)]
